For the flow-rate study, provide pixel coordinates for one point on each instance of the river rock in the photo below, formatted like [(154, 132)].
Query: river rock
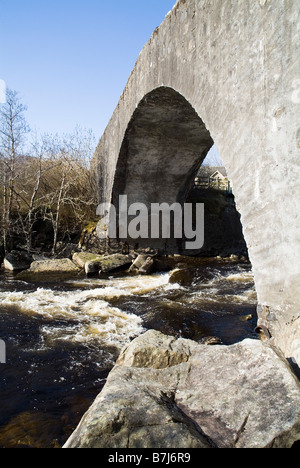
[(148, 267), (81, 258), (183, 277), (114, 262), (154, 350), (17, 260), (143, 264), (138, 263), (50, 270), (188, 276), (168, 393), (94, 264)]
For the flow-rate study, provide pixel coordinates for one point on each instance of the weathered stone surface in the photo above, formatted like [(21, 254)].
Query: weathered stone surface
[(148, 267), (116, 420), (114, 262), (138, 263), (246, 396), (64, 265), (94, 264), (16, 261), (81, 258), (50, 269), (167, 393), (156, 351), (226, 72)]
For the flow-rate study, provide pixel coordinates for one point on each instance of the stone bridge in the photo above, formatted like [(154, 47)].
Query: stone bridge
[(224, 72)]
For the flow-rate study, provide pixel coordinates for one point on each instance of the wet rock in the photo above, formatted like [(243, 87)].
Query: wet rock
[(189, 276), (143, 265), (92, 267), (17, 260), (168, 393), (183, 277), (247, 318)]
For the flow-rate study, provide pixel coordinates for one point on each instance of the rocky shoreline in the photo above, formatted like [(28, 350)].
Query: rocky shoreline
[(82, 263)]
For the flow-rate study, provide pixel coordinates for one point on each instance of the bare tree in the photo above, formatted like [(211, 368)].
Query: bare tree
[(71, 194), (52, 182), (13, 128)]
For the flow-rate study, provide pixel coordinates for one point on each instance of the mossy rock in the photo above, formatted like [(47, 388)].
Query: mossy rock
[(81, 258)]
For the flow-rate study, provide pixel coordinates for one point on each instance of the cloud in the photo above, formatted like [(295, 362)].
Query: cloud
[(2, 92)]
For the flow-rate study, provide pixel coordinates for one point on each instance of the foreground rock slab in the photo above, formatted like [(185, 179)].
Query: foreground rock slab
[(168, 393)]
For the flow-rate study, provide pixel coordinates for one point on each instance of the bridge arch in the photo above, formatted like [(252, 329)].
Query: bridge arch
[(236, 65), (163, 148)]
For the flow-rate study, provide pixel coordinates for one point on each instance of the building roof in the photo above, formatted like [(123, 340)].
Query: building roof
[(208, 171)]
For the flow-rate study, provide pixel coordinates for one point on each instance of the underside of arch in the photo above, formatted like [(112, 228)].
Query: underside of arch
[(164, 145)]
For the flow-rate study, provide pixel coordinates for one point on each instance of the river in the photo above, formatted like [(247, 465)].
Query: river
[(63, 338)]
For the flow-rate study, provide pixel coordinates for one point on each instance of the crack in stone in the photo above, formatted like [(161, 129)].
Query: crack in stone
[(241, 429), (179, 416)]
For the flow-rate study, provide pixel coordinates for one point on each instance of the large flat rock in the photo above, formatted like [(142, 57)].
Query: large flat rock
[(168, 393), (54, 269)]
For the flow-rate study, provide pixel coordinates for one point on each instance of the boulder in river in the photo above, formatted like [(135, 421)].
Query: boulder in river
[(188, 276), (50, 270), (168, 393), (81, 258), (17, 261), (138, 263), (143, 265), (94, 264), (114, 262)]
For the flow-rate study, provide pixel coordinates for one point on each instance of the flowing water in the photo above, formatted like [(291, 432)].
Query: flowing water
[(63, 338)]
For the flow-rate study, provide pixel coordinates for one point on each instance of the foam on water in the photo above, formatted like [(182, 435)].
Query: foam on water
[(91, 314), (94, 319), (86, 314)]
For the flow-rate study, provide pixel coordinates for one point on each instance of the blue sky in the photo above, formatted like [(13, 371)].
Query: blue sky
[(70, 59)]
